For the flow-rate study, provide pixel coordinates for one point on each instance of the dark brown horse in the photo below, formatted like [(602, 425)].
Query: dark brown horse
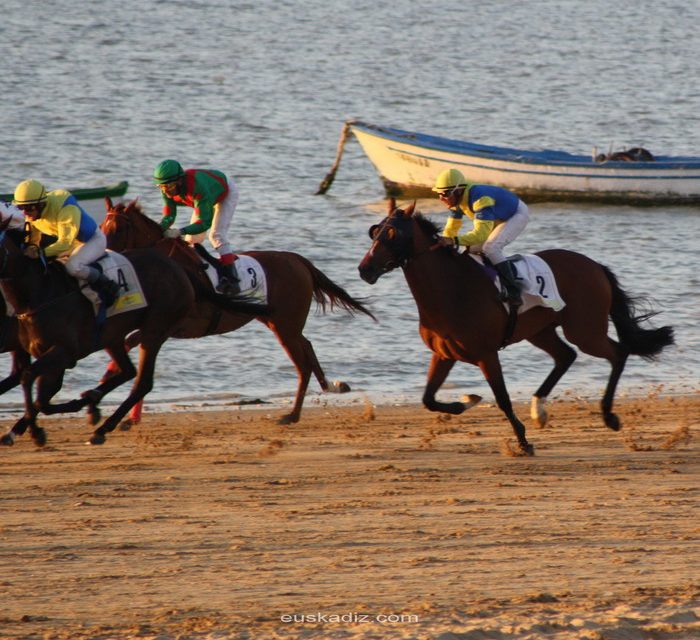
[(293, 282), (57, 326), (462, 317)]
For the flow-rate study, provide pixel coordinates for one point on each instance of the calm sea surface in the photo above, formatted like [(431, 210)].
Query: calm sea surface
[(99, 92)]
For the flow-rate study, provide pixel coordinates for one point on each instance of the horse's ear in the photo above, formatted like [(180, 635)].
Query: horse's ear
[(108, 203), (4, 224), (391, 206), (408, 211)]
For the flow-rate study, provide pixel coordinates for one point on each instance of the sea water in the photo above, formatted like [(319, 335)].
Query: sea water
[(99, 92)]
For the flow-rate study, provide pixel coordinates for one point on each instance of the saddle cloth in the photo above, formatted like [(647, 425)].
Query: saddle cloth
[(252, 279), (536, 280), (131, 296)]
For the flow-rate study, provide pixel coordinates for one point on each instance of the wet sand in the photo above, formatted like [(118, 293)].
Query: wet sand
[(361, 521)]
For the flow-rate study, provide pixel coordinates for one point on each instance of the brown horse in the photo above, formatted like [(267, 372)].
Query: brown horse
[(462, 317), (293, 282), (57, 326)]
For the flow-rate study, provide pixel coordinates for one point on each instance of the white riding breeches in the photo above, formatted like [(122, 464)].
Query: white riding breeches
[(504, 234), (223, 215), (83, 255)]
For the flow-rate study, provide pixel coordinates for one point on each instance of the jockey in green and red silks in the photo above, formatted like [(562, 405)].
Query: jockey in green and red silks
[(213, 197)]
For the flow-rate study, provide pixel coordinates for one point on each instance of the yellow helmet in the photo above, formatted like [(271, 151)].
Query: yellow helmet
[(449, 179), (29, 192)]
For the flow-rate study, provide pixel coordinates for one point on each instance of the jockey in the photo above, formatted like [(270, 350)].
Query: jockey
[(57, 213), (213, 197), (499, 217)]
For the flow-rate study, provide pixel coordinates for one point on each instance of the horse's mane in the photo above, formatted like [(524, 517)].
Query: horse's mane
[(133, 207), (428, 227)]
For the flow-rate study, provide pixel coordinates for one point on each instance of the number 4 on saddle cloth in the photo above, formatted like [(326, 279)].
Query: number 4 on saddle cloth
[(117, 268), (535, 279)]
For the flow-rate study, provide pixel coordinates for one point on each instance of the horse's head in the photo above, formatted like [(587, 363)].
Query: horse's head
[(13, 262), (395, 241), (127, 226)]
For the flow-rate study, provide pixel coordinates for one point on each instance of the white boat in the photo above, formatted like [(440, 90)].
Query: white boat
[(408, 163)]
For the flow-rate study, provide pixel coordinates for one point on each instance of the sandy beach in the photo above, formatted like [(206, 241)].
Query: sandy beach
[(361, 521)]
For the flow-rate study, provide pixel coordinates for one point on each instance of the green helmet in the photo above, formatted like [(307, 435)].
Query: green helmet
[(449, 179), (167, 171), (29, 192)]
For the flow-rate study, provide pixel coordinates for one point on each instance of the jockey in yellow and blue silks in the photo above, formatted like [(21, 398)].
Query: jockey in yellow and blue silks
[(214, 198), (499, 217), (57, 213)]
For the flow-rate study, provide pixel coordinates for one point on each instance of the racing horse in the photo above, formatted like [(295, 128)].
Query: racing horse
[(462, 317), (293, 282), (57, 326)]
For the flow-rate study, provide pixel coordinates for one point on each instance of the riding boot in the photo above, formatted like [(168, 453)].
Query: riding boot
[(507, 275), (107, 289), (229, 284)]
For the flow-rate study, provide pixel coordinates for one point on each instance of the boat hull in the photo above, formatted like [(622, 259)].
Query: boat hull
[(409, 162)]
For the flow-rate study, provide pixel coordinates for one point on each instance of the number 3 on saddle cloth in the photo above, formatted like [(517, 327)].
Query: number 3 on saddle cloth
[(535, 279), (249, 272), (131, 296)]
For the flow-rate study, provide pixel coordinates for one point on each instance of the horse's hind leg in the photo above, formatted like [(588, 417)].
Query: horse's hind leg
[(299, 354), (618, 366), (317, 370), (563, 355), (491, 368), (601, 346), (142, 385), (122, 371)]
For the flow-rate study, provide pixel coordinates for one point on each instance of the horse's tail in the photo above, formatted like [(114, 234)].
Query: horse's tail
[(226, 303), (646, 343), (328, 293)]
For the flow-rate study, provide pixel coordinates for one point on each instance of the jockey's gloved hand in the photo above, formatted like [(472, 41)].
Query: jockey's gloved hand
[(31, 251), (172, 233)]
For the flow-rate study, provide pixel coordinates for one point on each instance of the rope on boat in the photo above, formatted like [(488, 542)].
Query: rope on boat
[(330, 176)]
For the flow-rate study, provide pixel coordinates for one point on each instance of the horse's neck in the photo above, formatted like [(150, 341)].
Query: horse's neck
[(437, 278), (34, 287)]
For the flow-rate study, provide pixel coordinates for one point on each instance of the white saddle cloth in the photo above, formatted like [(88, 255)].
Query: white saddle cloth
[(131, 296), (536, 280), (251, 276)]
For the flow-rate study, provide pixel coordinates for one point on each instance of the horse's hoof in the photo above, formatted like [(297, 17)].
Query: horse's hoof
[(125, 425), (527, 449), (39, 436), (471, 400), (612, 422), (7, 439), (339, 386), (454, 408), (97, 438), (287, 419)]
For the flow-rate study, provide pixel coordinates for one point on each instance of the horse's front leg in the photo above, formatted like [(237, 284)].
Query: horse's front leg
[(20, 361), (437, 374), (491, 368), (30, 411)]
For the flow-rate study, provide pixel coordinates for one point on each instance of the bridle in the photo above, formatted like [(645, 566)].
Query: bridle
[(395, 233)]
